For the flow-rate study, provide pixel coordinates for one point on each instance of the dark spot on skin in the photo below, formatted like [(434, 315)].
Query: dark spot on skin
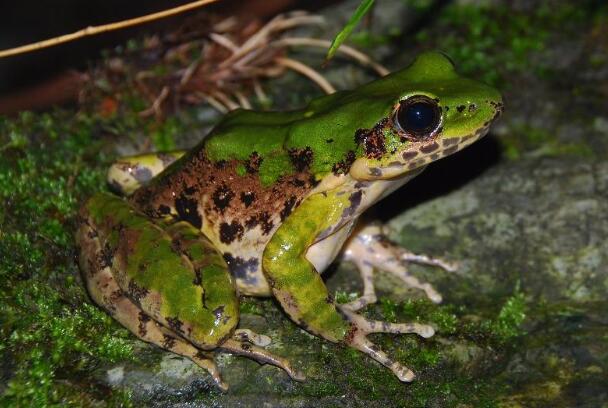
[(447, 108), (467, 138), (222, 197), (429, 148), (136, 292), (141, 174), (175, 324), (164, 209), (189, 190), (262, 219), (106, 257), (198, 279), (241, 268), (168, 341), (288, 207), (187, 211), (343, 166), (355, 202), (298, 183), (230, 232), (361, 184), (416, 163), (434, 156), (246, 346), (218, 312), (451, 141), (141, 328), (329, 299), (460, 108), (373, 140), (329, 141), (409, 155), (450, 150), (220, 164), (301, 158), (253, 165), (472, 107), (247, 197), (374, 171)]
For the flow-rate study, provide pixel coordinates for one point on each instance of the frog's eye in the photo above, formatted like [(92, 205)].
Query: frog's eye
[(418, 116)]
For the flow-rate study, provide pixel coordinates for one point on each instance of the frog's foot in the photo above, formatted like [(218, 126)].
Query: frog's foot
[(245, 348), (369, 248), (130, 173), (363, 326)]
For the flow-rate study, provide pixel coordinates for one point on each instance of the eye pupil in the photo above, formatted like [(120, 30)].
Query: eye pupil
[(418, 116)]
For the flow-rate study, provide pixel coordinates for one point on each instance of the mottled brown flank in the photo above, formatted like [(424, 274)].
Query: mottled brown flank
[(228, 203), (373, 139)]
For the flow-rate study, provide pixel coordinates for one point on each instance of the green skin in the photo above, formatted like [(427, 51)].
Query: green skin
[(343, 152)]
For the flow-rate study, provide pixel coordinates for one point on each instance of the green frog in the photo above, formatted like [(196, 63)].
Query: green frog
[(264, 204)]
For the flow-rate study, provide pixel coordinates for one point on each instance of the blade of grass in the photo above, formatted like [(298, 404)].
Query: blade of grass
[(348, 28)]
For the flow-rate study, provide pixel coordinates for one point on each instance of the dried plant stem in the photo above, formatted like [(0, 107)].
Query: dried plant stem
[(93, 30), (308, 72), (345, 49)]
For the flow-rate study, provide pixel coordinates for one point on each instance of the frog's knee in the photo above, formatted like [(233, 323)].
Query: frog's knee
[(129, 173)]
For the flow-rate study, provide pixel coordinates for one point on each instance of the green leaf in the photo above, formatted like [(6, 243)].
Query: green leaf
[(348, 28)]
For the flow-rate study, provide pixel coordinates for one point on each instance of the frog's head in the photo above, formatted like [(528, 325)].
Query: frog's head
[(430, 112)]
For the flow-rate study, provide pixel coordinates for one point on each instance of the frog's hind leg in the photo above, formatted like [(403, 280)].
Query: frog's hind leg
[(105, 291), (130, 173), (369, 248)]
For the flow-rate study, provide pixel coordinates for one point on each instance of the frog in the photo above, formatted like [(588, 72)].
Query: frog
[(264, 204)]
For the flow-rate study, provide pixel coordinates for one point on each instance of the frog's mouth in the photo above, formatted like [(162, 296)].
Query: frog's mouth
[(418, 155)]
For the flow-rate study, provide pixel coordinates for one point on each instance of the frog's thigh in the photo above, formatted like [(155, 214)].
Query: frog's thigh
[(105, 292), (369, 248), (130, 173)]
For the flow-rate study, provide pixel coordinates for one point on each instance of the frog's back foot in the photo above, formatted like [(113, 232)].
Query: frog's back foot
[(130, 173), (369, 248)]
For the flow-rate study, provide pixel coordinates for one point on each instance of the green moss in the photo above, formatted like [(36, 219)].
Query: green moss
[(51, 329), (494, 42)]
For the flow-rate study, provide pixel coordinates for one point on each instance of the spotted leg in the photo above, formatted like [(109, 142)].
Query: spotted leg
[(103, 284), (369, 248)]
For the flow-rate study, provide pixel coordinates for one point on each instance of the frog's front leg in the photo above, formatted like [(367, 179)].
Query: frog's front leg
[(369, 248), (302, 293), (169, 285)]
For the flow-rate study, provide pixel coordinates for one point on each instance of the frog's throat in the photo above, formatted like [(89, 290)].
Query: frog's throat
[(415, 157)]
